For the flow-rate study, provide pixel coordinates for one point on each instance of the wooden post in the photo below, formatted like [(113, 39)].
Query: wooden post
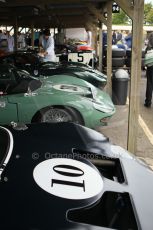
[(95, 39), (32, 35), (109, 48), (135, 74), (100, 47), (15, 34)]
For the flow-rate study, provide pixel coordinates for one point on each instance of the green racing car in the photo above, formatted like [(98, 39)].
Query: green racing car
[(61, 98)]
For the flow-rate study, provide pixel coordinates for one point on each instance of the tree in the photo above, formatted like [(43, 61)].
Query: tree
[(120, 18), (148, 13)]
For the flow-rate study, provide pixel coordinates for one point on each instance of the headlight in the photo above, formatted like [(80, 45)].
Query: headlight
[(102, 107)]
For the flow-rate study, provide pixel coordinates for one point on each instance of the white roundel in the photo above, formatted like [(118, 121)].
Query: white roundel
[(68, 178), (68, 88)]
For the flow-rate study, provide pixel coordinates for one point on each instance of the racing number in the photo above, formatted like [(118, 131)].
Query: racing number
[(80, 57), (71, 172)]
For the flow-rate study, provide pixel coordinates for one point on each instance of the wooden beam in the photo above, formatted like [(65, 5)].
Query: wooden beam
[(39, 2), (126, 6), (91, 20), (94, 38), (97, 13), (135, 74), (66, 11), (32, 35), (100, 47), (109, 47), (61, 18), (15, 34)]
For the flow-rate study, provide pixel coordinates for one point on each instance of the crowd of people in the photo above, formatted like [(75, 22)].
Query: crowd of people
[(120, 39), (45, 42), (7, 41)]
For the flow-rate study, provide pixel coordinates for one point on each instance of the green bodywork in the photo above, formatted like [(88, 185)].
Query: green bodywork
[(59, 91), (81, 71)]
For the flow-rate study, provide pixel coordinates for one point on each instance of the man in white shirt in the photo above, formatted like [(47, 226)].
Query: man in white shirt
[(89, 37), (21, 40), (10, 40), (46, 44)]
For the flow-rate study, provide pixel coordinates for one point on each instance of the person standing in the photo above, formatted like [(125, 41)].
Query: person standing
[(118, 36), (3, 41), (88, 37), (1, 34), (21, 41), (128, 40), (149, 74), (10, 40), (46, 45), (114, 38)]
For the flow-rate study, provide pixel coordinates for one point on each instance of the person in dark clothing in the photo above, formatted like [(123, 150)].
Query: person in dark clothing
[(114, 39), (128, 40), (119, 36), (104, 36), (104, 41), (149, 74)]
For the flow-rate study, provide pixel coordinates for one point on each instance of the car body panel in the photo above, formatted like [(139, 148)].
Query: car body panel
[(29, 206), (8, 111), (84, 72), (30, 62)]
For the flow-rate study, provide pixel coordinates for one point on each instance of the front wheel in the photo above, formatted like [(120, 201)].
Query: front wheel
[(55, 115)]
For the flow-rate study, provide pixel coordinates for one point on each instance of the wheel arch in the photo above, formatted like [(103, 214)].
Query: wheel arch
[(70, 109)]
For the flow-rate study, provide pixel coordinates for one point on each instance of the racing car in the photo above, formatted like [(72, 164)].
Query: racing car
[(26, 60), (67, 177), (24, 98)]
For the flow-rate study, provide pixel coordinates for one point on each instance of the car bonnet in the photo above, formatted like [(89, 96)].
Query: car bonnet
[(67, 151)]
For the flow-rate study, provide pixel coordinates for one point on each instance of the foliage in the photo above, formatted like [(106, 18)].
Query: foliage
[(120, 18), (148, 13)]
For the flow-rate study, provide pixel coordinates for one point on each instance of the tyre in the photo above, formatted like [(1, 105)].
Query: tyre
[(118, 62), (118, 53), (55, 115)]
